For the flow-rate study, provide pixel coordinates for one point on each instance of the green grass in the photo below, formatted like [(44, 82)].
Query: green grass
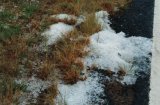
[(6, 15), (29, 9), (6, 27), (7, 30)]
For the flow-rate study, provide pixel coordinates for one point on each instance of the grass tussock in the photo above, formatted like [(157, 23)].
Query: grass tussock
[(90, 26), (47, 96), (67, 54)]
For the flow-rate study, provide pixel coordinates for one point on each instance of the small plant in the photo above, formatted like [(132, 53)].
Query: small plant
[(127, 70)]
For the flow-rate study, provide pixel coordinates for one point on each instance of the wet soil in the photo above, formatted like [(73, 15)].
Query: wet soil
[(117, 93)]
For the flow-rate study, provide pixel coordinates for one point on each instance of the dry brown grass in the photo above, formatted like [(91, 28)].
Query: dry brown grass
[(71, 76), (11, 53), (121, 3), (67, 54), (78, 7), (64, 7), (75, 7), (48, 95), (45, 69), (90, 26), (113, 6), (64, 56)]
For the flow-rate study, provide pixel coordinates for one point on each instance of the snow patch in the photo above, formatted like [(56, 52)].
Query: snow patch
[(34, 87), (129, 80), (102, 18), (80, 20), (64, 16), (56, 31), (111, 50), (81, 93)]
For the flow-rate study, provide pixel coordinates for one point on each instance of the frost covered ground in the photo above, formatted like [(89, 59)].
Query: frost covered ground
[(82, 93), (56, 31), (107, 50), (34, 87)]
